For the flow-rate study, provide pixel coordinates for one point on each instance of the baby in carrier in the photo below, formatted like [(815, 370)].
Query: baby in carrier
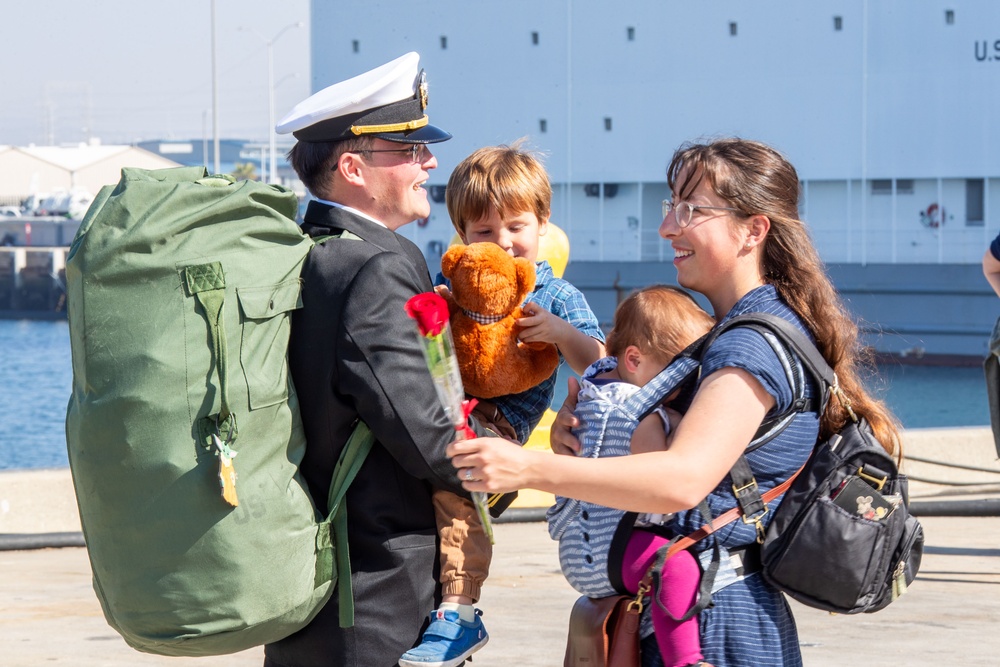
[(651, 327)]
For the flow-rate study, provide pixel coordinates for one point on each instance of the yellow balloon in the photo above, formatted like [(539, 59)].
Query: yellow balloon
[(553, 247)]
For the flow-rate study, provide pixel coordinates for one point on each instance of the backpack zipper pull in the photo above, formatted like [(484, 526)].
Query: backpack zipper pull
[(899, 580)]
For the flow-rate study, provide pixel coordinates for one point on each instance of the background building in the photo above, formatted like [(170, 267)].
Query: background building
[(886, 108), (41, 171)]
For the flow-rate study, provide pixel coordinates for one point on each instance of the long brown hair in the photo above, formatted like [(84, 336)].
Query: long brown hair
[(758, 180)]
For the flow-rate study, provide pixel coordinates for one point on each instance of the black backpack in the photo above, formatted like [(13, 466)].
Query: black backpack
[(842, 538)]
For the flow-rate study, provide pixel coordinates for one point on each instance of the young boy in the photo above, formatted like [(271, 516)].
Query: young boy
[(650, 328), (502, 195)]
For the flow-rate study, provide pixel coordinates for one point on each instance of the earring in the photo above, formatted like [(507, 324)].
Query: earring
[(748, 245)]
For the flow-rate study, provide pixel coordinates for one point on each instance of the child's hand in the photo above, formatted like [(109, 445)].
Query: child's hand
[(541, 326)]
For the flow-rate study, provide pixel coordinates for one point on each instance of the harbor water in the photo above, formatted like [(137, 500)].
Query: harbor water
[(36, 379)]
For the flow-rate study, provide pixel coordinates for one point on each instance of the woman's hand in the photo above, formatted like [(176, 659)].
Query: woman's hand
[(493, 465), (561, 438)]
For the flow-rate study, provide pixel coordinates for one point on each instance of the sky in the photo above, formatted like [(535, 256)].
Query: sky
[(122, 72)]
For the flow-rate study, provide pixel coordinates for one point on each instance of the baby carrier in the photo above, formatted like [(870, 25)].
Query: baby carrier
[(830, 543)]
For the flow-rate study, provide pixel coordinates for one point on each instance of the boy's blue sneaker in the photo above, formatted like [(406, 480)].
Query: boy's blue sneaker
[(447, 642)]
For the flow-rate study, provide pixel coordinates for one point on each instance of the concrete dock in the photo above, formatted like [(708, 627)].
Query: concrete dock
[(49, 614)]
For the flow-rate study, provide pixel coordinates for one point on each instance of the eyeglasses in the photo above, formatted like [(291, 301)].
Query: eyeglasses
[(418, 152), (684, 210)]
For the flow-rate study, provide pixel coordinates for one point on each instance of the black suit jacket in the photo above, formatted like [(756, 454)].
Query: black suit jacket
[(354, 354)]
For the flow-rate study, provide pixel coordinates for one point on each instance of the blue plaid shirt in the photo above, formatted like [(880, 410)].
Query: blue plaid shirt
[(560, 298)]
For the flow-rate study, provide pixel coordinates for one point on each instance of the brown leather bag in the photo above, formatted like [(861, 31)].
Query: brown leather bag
[(604, 632)]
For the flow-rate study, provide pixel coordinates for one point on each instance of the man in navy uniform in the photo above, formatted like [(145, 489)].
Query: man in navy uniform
[(364, 152)]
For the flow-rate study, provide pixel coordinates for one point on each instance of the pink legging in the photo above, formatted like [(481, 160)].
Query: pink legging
[(679, 643)]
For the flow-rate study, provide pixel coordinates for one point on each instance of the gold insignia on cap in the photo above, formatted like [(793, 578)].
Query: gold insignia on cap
[(422, 89), (391, 127)]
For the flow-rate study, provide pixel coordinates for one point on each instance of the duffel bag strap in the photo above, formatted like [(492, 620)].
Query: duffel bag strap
[(207, 284), (351, 459)]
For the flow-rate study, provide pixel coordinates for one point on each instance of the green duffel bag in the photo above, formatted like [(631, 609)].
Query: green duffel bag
[(183, 429)]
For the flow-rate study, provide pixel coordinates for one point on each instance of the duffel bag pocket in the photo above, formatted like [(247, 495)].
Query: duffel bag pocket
[(266, 324)]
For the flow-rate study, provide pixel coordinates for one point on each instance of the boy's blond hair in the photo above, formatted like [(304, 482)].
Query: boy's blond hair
[(660, 320), (505, 179)]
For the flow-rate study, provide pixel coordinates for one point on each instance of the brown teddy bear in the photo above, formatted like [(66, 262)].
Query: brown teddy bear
[(487, 289)]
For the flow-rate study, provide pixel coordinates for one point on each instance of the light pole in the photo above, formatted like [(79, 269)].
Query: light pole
[(277, 84), (215, 95), (269, 177)]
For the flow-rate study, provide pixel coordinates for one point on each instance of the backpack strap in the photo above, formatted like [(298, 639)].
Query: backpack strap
[(339, 234), (791, 336), (751, 506), (331, 540)]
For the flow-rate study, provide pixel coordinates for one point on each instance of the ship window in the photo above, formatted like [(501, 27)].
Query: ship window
[(534, 38), (974, 199), (732, 28), (882, 186), (444, 42), (356, 45), (838, 22), (949, 16), (543, 125), (607, 123), (630, 32)]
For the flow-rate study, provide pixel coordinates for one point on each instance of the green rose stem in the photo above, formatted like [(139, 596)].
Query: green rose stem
[(430, 311)]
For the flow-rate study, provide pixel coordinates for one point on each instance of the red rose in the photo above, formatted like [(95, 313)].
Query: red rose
[(430, 310)]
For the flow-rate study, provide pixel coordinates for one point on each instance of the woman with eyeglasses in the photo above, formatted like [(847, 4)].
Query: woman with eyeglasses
[(734, 228)]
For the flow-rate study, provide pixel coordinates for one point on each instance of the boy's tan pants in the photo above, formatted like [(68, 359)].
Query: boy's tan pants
[(466, 551)]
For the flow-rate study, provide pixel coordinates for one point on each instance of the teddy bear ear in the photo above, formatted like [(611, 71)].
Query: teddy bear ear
[(450, 259), (525, 274)]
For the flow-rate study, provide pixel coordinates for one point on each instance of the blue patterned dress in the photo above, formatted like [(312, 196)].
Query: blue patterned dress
[(749, 623)]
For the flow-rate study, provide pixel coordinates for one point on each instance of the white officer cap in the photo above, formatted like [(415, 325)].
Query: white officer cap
[(387, 102)]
